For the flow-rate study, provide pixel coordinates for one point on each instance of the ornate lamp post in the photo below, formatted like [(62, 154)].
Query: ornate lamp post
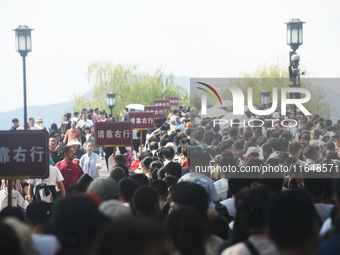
[(294, 33), (23, 45), (111, 101), (294, 40)]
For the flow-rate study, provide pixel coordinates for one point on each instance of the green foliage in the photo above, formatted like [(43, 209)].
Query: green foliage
[(130, 85), (264, 78), (276, 76), (318, 103)]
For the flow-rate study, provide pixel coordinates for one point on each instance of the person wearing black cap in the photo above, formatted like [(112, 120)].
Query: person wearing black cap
[(38, 215), (15, 124), (76, 221)]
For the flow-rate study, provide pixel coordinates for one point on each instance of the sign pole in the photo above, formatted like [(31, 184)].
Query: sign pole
[(9, 191), (141, 140)]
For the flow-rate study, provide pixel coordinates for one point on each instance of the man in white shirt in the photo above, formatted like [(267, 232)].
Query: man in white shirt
[(17, 198), (84, 122), (55, 179)]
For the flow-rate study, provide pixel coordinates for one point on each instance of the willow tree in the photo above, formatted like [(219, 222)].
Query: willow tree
[(131, 86), (276, 76)]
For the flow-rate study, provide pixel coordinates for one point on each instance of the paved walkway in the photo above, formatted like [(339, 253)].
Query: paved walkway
[(103, 172)]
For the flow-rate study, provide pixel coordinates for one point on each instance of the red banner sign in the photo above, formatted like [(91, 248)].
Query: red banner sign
[(142, 120), (173, 100), (157, 110), (163, 102), (24, 154), (113, 133)]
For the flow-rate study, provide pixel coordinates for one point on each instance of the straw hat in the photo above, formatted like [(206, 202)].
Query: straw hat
[(73, 141)]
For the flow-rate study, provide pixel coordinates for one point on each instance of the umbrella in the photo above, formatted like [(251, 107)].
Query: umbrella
[(138, 107)]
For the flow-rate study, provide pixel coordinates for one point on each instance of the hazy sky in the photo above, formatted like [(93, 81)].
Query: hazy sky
[(192, 38)]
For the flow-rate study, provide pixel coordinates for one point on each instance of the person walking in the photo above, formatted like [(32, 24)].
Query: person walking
[(90, 161), (70, 169)]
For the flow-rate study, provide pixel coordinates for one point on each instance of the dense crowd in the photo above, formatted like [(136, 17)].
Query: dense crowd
[(193, 187)]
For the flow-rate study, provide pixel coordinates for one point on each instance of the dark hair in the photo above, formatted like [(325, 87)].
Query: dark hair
[(76, 188), (134, 235), (336, 185), (198, 134), (247, 135), (38, 212), (315, 186), (309, 151), (170, 180), (168, 152), (66, 149), (277, 144), (156, 164), (286, 135), (250, 213), (144, 154), (153, 145), (127, 187), (173, 168), (160, 173), (160, 186), (266, 150), (145, 201), (76, 221), (198, 158), (294, 147), (239, 144), (141, 179), (225, 145), (329, 146), (191, 194), (328, 123), (273, 162), (190, 236), (292, 219), (261, 140), (13, 211), (208, 137), (120, 159), (273, 182), (124, 167), (54, 127), (233, 131), (146, 162), (305, 137), (10, 241), (237, 184), (164, 141), (117, 173)]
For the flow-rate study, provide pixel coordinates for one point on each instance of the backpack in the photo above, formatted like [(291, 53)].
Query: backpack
[(46, 193), (223, 211)]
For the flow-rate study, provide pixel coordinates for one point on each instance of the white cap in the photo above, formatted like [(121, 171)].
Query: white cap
[(251, 150)]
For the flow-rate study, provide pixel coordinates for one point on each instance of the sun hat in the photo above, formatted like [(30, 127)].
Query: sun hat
[(73, 141), (39, 119), (252, 150)]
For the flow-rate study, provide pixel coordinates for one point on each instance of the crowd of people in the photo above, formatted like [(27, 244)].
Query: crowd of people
[(195, 187)]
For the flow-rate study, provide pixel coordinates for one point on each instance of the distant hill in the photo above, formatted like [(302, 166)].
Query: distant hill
[(54, 112), (49, 113)]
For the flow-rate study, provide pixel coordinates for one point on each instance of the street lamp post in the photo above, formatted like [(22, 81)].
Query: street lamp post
[(294, 40), (23, 45), (265, 98), (111, 101)]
